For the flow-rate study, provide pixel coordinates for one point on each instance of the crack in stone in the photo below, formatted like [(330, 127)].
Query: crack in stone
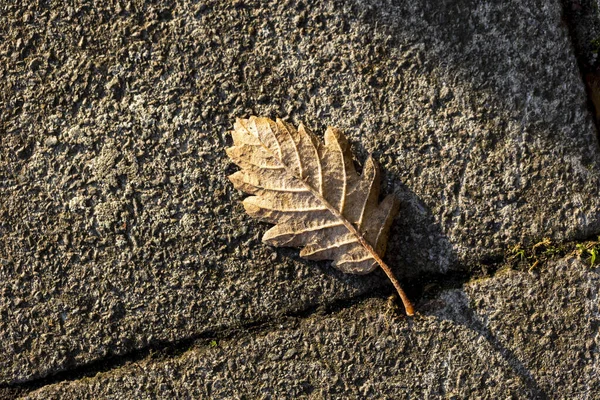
[(425, 286), (168, 350)]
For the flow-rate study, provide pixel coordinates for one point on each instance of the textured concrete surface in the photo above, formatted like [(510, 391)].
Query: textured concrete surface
[(515, 335), (118, 227)]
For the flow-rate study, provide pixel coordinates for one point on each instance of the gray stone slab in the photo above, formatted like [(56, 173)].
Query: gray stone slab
[(118, 227), (515, 335)]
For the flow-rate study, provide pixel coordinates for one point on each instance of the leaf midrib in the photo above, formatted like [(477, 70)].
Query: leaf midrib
[(336, 213)]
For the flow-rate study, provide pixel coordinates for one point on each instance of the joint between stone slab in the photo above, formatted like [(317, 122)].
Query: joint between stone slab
[(421, 288)]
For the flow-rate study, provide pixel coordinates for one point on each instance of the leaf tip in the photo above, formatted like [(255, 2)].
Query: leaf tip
[(229, 151), (236, 179), (239, 122), (250, 205)]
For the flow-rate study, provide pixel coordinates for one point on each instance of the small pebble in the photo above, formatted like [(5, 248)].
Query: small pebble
[(51, 141)]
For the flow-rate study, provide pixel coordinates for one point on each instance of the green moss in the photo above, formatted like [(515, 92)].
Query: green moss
[(589, 252), (536, 256)]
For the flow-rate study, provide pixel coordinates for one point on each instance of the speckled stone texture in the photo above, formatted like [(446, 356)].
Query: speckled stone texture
[(118, 227), (515, 335)]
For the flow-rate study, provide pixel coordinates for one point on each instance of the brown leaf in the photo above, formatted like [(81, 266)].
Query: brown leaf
[(313, 194)]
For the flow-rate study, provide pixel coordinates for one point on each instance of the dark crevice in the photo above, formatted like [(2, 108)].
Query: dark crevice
[(420, 289), (582, 18), (162, 350)]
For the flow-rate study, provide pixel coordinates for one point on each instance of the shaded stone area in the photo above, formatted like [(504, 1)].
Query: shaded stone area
[(118, 227), (583, 17), (516, 335)]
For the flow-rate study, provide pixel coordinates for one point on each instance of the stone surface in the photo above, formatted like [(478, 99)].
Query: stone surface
[(118, 227), (515, 335)]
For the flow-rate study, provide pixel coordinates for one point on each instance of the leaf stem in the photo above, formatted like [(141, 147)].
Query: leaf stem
[(408, 307)]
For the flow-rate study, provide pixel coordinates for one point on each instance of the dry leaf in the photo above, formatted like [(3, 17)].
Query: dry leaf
[(313, 194)]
